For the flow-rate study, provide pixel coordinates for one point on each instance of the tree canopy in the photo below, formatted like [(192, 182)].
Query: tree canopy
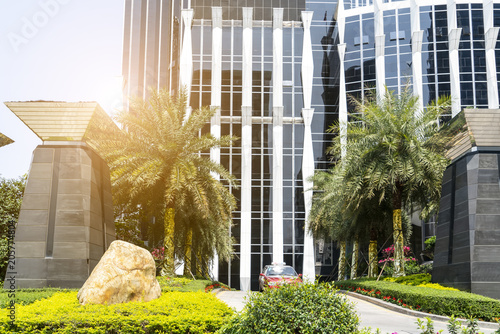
[(391, 156), (158, 163)]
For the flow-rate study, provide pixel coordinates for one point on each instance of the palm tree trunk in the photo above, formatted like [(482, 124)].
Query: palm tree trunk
[(342, 261), (399, 268), (169, 241), (372, 259), (355, 255), (187, 254), (372, 254)]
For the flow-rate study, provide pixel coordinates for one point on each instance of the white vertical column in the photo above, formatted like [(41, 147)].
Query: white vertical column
[(490, 38), (379, 48), (278, 135), (216, 102), (134, 10), (453, 42), (307, 71), (342, 100), (186, 61), (246, 150), (417, 36), (341, 47), (152, 45)]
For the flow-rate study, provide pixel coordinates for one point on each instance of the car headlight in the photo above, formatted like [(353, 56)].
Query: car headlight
[(273, 283)]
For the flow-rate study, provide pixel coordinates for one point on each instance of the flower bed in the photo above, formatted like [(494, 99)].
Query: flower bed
[(217, 285)]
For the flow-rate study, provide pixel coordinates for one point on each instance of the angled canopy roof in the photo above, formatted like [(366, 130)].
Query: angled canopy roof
[(58, 121), (4, 140), (482, 131)]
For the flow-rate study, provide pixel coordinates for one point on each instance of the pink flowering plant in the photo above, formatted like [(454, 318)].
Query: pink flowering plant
[(158, 253), (388, 254), (387, 262)]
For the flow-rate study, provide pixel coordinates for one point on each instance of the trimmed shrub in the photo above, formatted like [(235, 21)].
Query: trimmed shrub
[(27, 296), (173, 312), (417, 279), (428, 299), (303, 308), (181, 284)]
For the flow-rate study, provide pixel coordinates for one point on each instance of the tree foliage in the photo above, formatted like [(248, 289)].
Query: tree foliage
[(158, 163), (11, 196), (394, 159)]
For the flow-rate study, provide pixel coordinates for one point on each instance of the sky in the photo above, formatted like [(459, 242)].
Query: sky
[(56, 50)]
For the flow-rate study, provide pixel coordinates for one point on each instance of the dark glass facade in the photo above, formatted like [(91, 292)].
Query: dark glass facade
[(435, 51)]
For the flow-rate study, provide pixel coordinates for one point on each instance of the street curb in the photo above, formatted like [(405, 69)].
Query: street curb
[(400, 309)]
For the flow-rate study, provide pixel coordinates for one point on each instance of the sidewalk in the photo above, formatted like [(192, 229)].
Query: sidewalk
[(389, 318)]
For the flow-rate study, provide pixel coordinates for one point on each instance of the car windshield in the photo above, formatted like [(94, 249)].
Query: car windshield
[(281, 271)]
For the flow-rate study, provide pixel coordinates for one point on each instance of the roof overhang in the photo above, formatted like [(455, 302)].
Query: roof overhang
[(59, 121)]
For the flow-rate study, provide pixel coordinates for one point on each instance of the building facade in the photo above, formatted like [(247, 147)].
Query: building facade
[(279, 73)]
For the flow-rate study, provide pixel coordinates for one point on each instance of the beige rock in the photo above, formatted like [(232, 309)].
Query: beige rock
[(125, 273)]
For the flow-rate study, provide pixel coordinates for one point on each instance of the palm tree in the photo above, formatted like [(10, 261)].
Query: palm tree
[(156, 163), (334, 216), (399, 156)]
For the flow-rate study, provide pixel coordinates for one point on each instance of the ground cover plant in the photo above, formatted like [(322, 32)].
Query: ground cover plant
[(182, 284), (427, 297), (303, 308), (27, 296), (173, 312)]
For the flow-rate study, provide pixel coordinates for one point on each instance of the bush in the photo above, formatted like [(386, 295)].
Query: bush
[(429, 299), (410, 279), (181, 284), (173, 312), (304, 308), (27, 296)]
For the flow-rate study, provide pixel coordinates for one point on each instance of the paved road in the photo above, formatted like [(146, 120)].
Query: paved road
[(370, 315), (388, 321)]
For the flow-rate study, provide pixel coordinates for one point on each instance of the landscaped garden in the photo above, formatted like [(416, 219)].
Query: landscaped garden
[(187, 306), (184, 307), (416, 292)]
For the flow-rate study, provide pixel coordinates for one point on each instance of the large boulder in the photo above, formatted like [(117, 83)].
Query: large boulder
[(125, 273)]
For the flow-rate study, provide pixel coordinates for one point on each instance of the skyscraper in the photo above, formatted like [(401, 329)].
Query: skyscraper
[(257, 63), (279, 73)]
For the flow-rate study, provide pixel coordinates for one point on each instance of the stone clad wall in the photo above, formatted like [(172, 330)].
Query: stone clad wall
[(66, 220), (467, 253)]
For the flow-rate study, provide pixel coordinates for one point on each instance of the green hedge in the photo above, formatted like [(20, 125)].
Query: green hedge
[(27, 296), (182, 284), (173, 312), (303, 308), (442, 302)]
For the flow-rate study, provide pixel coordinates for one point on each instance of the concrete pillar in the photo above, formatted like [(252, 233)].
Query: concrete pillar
[(307, 71), (490, 37), (278, 135), (66, 221), (417, 36), (246, 151), (186, 61), (453, 42), (215, 102), (379, 48)]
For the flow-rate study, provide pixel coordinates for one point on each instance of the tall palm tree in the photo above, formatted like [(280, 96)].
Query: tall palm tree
[(156, 163), (399, 156)]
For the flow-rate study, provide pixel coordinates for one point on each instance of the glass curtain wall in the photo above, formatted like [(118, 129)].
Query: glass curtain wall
[(325, 114), (435, 54)]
